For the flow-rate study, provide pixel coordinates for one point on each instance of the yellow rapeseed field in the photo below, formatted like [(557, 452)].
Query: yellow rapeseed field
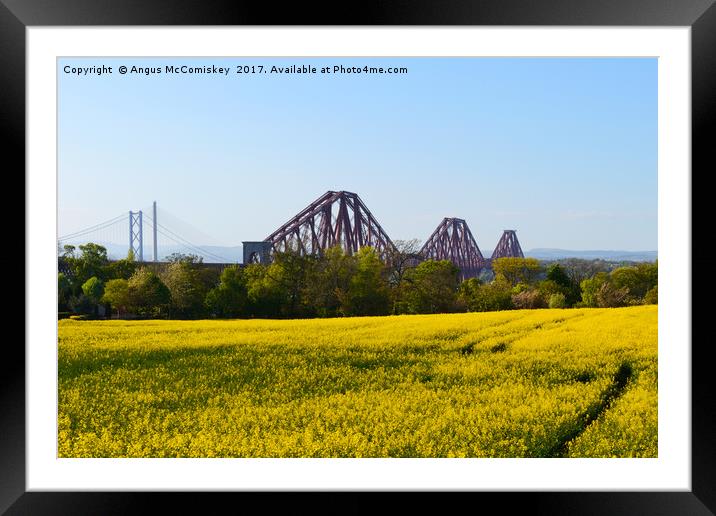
[(526, 383)]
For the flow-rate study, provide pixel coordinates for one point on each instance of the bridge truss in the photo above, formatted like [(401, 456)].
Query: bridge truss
[(508, 246), (335, 218), (452, 240)]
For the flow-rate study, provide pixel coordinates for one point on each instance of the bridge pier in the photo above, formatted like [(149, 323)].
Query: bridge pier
[(257, 252)]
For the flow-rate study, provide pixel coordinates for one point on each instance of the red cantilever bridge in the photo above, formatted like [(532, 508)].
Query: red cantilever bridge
[(342, 218)]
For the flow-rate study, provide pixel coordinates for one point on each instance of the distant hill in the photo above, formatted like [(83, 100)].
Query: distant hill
[(556, 254)]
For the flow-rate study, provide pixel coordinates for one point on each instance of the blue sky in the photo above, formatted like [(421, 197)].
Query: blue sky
[(562, 150)]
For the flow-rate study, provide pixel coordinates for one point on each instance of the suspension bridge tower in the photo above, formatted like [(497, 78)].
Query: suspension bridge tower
[(136, 242)]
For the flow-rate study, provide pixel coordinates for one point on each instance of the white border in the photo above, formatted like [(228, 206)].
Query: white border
[(672, 468)]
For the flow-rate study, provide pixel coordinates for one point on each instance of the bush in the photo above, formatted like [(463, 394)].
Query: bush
[(652, 296), (228, 298), (528, 299), (116, 293), (82, 304), (608, 296), (477, 297), (432, 287), (557, 300)]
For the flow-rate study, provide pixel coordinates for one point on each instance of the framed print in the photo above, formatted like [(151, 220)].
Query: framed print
[(348, 349)]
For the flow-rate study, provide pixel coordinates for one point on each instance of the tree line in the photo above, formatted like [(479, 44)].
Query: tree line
[(335, 284)]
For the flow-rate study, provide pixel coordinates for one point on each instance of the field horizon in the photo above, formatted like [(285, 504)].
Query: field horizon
[(519, 383)]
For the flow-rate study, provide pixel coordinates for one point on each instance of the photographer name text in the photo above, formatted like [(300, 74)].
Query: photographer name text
[(229, 71)]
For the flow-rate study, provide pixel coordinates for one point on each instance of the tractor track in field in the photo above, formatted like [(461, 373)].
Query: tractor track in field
[(615, 390)]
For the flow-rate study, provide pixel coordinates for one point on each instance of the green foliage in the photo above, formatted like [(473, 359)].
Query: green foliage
[(64, 292), (335, 284), (467, 292), (517, 270), (116, 293), (148, 295), (279, 289), (637, 280), (432, 287), (479, 297), (68, 251), (186, 287), (652, 296), (229, 297), (188, 283), (92, 262), (262, 291), (82, 304), (367, 292), (329, 279), (400, 260), (579, 269), (288, 276), (557, 301), (590, 288), (623, 286), (184, 258), (93, 288), (122, 269), (558, 275)]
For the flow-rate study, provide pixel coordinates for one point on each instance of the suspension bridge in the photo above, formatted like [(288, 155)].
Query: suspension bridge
[(149, 240), (335, 218)]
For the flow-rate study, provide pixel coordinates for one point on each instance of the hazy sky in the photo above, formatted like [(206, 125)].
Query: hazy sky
[(562, 150)]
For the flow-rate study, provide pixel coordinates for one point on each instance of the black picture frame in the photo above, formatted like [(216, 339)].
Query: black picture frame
[(700, 15)]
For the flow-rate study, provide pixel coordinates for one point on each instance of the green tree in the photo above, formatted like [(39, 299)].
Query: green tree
[(547, 287), (652, 296), (638, 280), (186, 288), (432, 287), (184, 258), (517, 270), (285, 281), (599, 291), (556, 273), (557, 300), (263, 293), (93, 262), (367, 293), (82, 304), (93, 288), (579, 269), (64, 292), (121, 269), (400, 259), (485, 297), (567, 286), (147, 294), (68, 251), (329, 276), (467, 292), (229, 297), (590, 287), (116, 293)]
